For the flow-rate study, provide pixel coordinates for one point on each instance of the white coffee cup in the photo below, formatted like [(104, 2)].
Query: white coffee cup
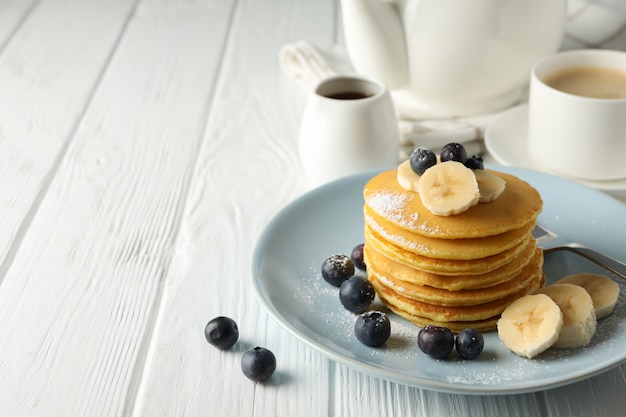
[(349, 126), (577, 135)]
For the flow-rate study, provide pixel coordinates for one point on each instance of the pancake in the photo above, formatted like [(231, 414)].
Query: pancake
[(454, 326), (456, 271), (444, 266), (481, 317), (443, 297), (516, 207), (401, 272), (467, 248)]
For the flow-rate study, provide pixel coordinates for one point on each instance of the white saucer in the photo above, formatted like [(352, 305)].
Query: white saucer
[(506, 139)]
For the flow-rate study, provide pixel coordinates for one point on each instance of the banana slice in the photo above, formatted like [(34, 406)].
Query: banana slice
[(530, 325), (490, 185), (579, 317), (604, 291), (448, 188), (407, 178)]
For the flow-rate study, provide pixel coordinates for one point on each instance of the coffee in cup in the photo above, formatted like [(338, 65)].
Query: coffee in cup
[(594, 82), (577, 114)]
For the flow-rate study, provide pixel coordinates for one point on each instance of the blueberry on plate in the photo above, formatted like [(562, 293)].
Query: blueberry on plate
[(475, 162), (469, 343), (258, 364), (222, 332), (372, 328), (356, 294), (337, 268), (453, 152), (357, 257), (435, 341), (421, 159)]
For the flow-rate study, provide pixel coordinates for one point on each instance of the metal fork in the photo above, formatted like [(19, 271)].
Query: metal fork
[(550, 242)]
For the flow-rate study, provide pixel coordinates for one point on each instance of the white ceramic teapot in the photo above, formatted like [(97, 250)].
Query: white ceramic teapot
[(452, 57)]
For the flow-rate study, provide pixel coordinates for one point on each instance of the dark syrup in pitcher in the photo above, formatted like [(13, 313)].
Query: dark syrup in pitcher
[(348, 95)]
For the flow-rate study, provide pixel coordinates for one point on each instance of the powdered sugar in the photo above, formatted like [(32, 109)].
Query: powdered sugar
[(397, 239), (391, 205), (388, 283)]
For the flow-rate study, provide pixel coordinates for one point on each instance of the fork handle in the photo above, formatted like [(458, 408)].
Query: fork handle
[(613, 265)]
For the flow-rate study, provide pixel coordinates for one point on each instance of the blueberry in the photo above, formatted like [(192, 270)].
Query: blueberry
[(421, 159), (453, 152), (475, 162), (356, 294), (258, 364), (435, 341), (337, 268), (222, 332), (357, 257), (469, 343), (372, 328)]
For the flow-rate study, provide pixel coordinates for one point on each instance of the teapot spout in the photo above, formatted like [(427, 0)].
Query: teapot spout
[(375, 40)]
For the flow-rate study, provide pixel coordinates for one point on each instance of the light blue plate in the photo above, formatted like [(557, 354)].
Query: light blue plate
[(329, 220)]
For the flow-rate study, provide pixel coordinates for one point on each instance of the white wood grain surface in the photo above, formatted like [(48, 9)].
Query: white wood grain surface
[(144, 146)]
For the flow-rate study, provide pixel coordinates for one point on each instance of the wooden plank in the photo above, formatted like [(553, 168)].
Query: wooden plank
[(50, 64), (250, 140), (102, 238), (359, 394), (601, 396), (12, 15)]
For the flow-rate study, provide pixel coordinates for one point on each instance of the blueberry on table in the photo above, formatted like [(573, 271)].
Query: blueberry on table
[(356, 294), (475, 162), (372, 328), (421, 159), (258, 364), (469, 343), (337, 268), (435, 341), (453, 152), (222, 332), (357, 257)]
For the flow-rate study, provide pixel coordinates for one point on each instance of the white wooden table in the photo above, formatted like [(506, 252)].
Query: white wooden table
[(144, 146)]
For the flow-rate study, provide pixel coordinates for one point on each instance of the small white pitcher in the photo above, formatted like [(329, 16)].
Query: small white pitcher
[(349, 126)]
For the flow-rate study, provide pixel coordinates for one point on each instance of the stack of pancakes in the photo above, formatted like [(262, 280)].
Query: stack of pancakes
[(455, 271)]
